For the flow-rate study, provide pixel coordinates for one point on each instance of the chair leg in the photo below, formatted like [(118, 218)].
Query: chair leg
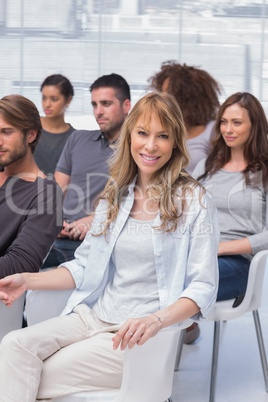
[(215, 354), (261, 347), (179, 349)]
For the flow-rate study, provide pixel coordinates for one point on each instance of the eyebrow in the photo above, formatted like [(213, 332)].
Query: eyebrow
[(235, 118), (102, 101), (7, 128), (159, 132)]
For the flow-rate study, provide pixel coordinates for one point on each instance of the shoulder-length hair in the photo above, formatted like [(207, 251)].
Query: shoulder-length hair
[(195, 90), (256, 147), (171, 180)]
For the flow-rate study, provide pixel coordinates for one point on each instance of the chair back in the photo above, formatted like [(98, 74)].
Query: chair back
[(223, 310), (11, 317)]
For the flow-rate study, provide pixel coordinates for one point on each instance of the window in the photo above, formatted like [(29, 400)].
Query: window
[(84, 39)]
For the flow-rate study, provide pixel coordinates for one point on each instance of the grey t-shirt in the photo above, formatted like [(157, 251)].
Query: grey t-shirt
[(49, 149), (199, 147), (242, 210), (84, 158), (133, 291)]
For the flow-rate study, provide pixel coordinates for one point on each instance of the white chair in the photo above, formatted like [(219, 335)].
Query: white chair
[(148, 369), (223, 311), (147, 375), (11, 317), (44, 304)]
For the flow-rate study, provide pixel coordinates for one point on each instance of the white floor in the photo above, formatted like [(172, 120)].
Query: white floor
[(240, 376)]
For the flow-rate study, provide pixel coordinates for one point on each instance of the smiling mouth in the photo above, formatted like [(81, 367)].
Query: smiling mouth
[(147, 158)]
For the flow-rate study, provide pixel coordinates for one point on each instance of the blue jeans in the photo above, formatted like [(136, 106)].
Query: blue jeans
[(233, 276), (62, 250)]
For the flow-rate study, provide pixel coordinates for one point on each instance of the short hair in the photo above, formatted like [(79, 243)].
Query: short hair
[(195, 90), (21, 113), (64, 85), (115, 81)]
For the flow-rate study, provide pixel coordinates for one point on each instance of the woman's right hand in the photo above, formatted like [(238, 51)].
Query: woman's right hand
[(11, 288)]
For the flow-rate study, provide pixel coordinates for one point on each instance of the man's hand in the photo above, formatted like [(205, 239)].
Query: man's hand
[(11, 288), (76, 230)]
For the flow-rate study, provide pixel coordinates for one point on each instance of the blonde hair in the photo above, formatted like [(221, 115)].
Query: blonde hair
[(170, 181)]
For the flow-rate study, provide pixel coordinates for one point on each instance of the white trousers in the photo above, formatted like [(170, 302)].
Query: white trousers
[(58, 357)]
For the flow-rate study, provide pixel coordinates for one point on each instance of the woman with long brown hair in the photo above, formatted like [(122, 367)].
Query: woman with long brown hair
[(236, 175)]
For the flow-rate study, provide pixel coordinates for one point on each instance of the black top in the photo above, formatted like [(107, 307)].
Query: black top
[(49, 148)]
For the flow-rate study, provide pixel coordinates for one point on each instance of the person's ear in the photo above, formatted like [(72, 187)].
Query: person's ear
[(126, 106), (31, 135), (68, 101)]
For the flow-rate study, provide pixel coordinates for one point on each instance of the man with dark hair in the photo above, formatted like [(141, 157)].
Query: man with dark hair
[(114, 81), (30, 204), (82, 170)]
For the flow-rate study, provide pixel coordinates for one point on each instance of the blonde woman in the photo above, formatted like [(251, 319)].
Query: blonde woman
[(122, 297)]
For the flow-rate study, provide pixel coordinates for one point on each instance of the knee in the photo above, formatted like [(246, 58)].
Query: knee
[(10, 338)]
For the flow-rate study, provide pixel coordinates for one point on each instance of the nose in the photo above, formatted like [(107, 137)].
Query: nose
[(151, 145), (229, 127), (46, 103), (98, 110)]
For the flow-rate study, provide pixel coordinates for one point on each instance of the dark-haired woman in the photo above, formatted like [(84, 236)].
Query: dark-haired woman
[(236, 175), (57, 93)]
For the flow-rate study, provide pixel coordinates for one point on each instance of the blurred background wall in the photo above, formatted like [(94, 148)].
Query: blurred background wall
[(84, 39)]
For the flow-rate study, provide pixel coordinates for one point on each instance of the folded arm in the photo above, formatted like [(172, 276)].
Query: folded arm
[(233, 247)]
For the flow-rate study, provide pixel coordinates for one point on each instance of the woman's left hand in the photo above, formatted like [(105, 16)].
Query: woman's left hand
[(136, 331)]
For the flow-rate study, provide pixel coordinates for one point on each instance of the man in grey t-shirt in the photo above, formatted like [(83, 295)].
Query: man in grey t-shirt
[(82, 170)]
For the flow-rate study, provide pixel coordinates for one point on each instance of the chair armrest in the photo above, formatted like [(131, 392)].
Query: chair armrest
[(44, 304)]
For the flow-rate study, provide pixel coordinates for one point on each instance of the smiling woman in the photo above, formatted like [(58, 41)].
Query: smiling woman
[(235, 127), (151, 147), (127, 286), (236, 173)]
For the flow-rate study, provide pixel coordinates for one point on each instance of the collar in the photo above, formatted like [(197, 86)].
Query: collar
[(96, 135), (132, 185)]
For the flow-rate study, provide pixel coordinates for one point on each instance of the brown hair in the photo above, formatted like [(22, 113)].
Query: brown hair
[(21, 113), (195, 90), (256, 148)]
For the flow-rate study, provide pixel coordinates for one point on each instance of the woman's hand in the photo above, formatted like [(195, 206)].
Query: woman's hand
[(76, 230), (11, 288), (137, 331)]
